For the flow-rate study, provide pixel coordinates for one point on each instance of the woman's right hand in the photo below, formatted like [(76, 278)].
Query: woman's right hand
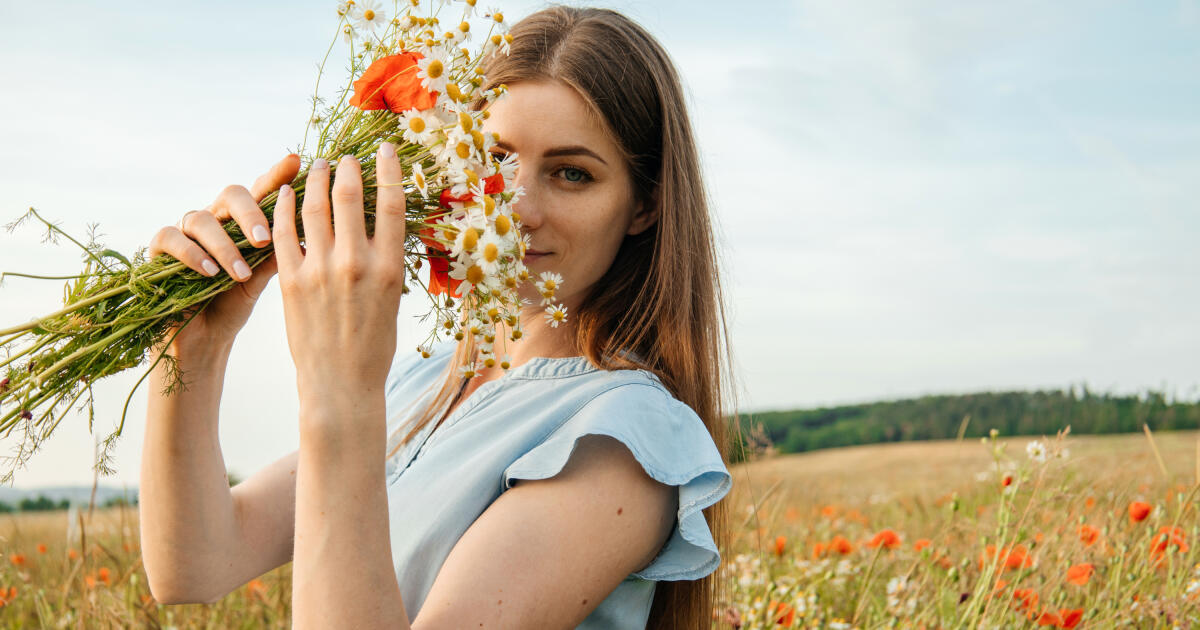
[(203, 245)]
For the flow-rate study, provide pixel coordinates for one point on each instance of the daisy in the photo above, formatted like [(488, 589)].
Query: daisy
[(419, 180), (467, 371), (369, 16), (550, 281), (418, 129), (434, 69), (465, 242), (349, 34), (1036, 451), (425, 351), (470, 275), (348, 8), (506, 362), (489, 253), (556, 315)]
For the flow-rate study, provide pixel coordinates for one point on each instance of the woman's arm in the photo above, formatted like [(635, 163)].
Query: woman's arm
[(199, 539)]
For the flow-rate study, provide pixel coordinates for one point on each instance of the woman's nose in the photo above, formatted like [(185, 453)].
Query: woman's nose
[(527, 204)]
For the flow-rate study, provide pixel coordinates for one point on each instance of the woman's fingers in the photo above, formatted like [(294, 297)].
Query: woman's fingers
[(282, 173), (349, 229), (318, 232), (287, 244), (170, 240), (205, 229), (389, 206), (239, 204)]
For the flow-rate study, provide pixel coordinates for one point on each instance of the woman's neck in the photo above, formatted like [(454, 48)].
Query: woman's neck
[(538, 339)]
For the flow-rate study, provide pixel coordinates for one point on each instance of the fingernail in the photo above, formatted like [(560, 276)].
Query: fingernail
[(241, 270), (349, 156), (387, 150), (260, 234), (210, 267), (318, 164)]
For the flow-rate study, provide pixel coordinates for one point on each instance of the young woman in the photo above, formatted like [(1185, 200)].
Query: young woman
[(579, 488)]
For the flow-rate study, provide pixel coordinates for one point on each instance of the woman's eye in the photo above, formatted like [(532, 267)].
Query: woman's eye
[(574, 175)]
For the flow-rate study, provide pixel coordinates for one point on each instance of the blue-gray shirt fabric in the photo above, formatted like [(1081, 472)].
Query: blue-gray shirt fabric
[(524, 426)]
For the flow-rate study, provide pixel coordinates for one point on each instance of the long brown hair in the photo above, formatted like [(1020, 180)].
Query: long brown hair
[(659, 307)]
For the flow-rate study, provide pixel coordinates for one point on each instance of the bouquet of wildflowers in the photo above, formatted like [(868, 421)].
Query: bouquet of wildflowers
[(414, 83)]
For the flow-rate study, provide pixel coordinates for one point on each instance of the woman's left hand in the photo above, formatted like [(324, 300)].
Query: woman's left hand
[(341, 293)]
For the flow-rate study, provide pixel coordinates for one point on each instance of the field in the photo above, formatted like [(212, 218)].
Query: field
[(914, 535)]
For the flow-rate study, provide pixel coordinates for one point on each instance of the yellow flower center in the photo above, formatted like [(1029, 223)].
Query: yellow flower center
[(417, 125), (489, 338), (491, 252), (472, 178), (464, 119), (463, 150), (503, 225), (470, 239), (475, 275), (489, 206), (558, 316), (368, 15), (510, 282), (420, 179), (464, 27), (498, 16), (490, 362), (494, 314), (550, 285), (478, 138), (434, 69), (516, 334), (453, 92), (496, 39), (504, 365)]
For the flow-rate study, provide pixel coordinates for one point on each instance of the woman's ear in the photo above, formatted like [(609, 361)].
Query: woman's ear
[(644, 216)]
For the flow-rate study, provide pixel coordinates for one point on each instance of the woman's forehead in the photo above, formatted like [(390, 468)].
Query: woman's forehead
[(535, 116)]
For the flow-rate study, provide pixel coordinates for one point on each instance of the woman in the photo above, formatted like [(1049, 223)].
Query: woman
[(578, 489)]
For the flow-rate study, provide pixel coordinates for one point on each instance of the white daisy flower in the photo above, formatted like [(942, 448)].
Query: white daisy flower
[(463, 272), (556, 315), (507, 167), (1036, 451), (425, 351), (467, 371), (506, 362), (370, 15), (434, 69), (418, 129), (348, 8), (459, 150), (419, 180), (489, 253), (349, 34), (465, 242), (550, 281)]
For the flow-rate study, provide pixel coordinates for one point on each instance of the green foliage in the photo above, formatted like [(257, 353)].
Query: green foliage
[(941, 417)]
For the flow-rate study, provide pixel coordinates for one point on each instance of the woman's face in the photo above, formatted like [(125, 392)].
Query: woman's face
[(578, 202)]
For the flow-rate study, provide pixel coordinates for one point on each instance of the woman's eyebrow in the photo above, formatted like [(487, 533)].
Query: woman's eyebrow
[(559, 151)]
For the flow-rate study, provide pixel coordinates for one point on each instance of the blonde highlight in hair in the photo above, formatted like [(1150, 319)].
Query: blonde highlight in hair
[(659, 306)]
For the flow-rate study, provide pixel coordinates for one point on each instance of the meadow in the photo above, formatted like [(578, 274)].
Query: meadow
[(1068, 532)]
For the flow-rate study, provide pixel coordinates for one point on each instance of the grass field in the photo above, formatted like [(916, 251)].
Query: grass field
[(914, 535)]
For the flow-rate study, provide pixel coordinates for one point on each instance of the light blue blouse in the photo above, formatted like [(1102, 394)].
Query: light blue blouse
[(524, 426)]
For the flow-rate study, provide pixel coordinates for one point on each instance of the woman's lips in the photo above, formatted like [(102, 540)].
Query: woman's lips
[(531, 255)]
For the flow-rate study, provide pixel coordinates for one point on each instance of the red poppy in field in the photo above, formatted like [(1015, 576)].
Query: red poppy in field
[(1089, 503), (1138, 511), (1025, 600), (1006, 481), (1163, 540), (391, 83), (1080, 573), (41, 548), (841, 545), (1070, 617), (818, 550), (492, 184), (72, 554), (781, 612), (780, 543), (1049, 618), (829, 511), (7, 597), (1088, 535), (18, 559), (256, 589), (888, 538), (104, 575), (1015, 558), (921, 544)]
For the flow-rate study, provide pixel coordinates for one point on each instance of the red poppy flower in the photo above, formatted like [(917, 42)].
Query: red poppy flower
[(1070, 617), (1138, 511), (1080, 574), (841, 545), (1088, 534), (1049, 618), (391, 83), (1164, 539), (921, 544), (491, 185), (887, 538), (439, 266), (780, 543)]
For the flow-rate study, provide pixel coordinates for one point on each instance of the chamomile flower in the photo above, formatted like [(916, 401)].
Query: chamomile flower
[(556, 315), (370, 15), (506, 362), (470, 275), (550, 281), (1036, 451), (467, 371), (425, 351), (418, 174), (349, 34), (434, 70), (489, 253), (347, 8), (418, 128), (466, 242)]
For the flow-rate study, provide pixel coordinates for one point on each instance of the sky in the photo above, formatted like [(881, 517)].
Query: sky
[(911, 198)]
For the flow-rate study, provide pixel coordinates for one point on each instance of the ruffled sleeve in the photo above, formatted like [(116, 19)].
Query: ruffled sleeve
[(673, 446)]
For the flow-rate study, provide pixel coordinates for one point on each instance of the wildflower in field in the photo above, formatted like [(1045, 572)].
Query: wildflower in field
[(1070, 617), (1161, 543), (73, 554), (780, 543), (17, 559), (888, 538), (921, 544), (41, 548), (256, 589), (781, 613), (1015, 558), (1138, 511), (7, 597), (104, 576), (1025, 600), (1080, 574), (1049, 618), (1088, 535), (841, 545), (829, 511), (1089, 503), (837, 623), (1036, 451)]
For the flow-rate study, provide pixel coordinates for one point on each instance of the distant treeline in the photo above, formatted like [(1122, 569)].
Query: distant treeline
[(41, 504), (940, 417)]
